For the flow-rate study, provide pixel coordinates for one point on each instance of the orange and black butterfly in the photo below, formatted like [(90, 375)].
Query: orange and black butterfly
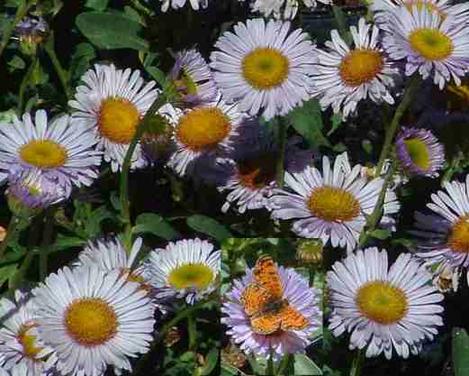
[(264, 303)]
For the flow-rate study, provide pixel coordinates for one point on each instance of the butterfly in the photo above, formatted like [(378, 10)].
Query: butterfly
[(264, 303)]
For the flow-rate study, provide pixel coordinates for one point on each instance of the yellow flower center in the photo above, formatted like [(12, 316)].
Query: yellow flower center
[(381, 302), (432, 44), (203, 128), (333, 204), (458, 239), (118, 120), (43, 154), (257, 173), (196, 275), (91, 321), (360, 66), (265, 68), (28, 342), (418, 152)]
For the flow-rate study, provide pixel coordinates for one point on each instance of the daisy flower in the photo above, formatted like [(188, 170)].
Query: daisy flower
[(264, 67), (419, 152), (250, 175), (384, 308), (93, 319), (112, 102), (444, 234), (296, 291), (345, 76), (187, 269), (383, 8), (60, 150), (332, 204), (193, 79), (431, 45), (206, 130), (111, 255), (177, 4), (285, 9), (33, 191), (22, 351)]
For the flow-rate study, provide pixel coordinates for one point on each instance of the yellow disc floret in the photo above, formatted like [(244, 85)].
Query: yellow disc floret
[(203, 128), (43, 154), (265, 68), (195, 275), (333, 204), (382, 302), (361, 66), (91, 321), (432, 44), (118, 120)]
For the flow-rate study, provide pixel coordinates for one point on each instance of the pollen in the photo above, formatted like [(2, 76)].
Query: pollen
[(333, 204), (118, 120), (265, 68), (91, 321), (196, 275), (43, 154), (432, 44), (361, 66), (382, 302), (203, 128), (458, 239)]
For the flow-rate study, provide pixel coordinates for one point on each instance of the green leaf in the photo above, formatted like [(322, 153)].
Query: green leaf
[(380, 234), (6, 272), (65, 242), (341, 23), (16, 63), (81, 58), (307, 121), (97, 4), (208, 226), (93, 224), (460, 352), (111, 30), (154, 224), (305, 366), (336, 120), (211, 362), (229, 370), (367, 146)]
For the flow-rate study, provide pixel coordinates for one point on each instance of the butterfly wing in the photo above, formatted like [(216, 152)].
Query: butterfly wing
[(255, 298), (266, 274), (291, 319), (267, 323)]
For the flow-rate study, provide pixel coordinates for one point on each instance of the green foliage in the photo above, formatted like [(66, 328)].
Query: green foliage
[(460, 352), (208, 226), (111, 30), (151, 223)]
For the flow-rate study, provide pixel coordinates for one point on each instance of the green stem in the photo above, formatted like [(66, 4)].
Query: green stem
[(46, 240), (11, 230), (140, 366), (374, 218), (61, 72), (124, 177), (270, 366), (283, 365), (407, 97), (19, 275), (192, 332), (8, 31), (357, 363), (25, 82), (282, 142)]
